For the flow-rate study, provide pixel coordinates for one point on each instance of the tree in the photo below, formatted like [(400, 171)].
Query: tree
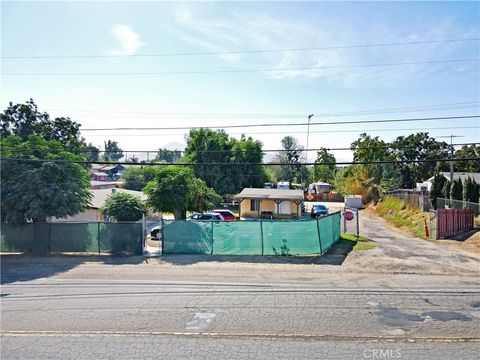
[(133, 159), (456, 191), (168, 156), (290, 156), (176, 189), (324, 168), (416, 147), (36, 190), (93, 152), (112, 151), (135, 178), (124, 207), (232, 164), (468, 151), (446, 189), (25, 120), (436, 190)]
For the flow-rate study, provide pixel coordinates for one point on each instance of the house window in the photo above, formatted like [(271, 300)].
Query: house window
[(254, 205)]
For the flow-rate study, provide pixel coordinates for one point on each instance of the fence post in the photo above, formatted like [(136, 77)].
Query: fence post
[(319, 239), (358, 224), (261, 234), (211, 251), (162, 233), (98, 237), (49, 245)]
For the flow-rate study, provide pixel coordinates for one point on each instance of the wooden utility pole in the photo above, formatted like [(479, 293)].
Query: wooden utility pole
[(451, 136)]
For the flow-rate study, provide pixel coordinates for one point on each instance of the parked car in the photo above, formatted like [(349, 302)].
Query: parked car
[(154, 232), (206, 217), (226, 214), (318, 210)]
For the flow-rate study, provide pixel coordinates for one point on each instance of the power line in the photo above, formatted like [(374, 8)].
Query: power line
[(240, 70), (285, 124), (240, 51), (433, 107), (238, 164), (85, 151), (303, 132)]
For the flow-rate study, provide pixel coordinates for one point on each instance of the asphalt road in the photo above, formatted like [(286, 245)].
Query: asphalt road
[(101, 316), (406, 299)]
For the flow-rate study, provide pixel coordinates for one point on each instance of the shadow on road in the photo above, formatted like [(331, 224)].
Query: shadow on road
[(24, 267)]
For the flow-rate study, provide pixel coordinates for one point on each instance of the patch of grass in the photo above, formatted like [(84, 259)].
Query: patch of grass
[(351, 242), (364, 246), (351, 237), (403, 216)]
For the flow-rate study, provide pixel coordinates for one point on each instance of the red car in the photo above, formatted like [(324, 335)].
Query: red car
[(227, 214)]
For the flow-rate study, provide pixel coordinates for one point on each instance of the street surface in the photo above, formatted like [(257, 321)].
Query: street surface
[(203, 307)]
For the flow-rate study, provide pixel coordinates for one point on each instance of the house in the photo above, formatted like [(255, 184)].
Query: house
[(98, 176), (270, 203), (93, 212), (427, 184)]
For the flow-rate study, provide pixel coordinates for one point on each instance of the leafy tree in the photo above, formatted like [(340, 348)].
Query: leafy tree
[(446, 189), (325, 173), (112, 151), (124, 207), (136, 177), (468, 151), (470, 190), (291, 157), (436, 190), (25, 120), (176, 189), (133, 159), (418, 147), (456, 191), (36, 190), (93, 152), (205, 146), (168, 156)]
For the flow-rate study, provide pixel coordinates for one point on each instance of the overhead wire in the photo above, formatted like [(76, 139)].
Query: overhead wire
[(335, 47), (221, 71)]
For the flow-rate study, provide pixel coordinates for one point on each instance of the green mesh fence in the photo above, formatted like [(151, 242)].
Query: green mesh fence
[(275, 237), (187, 237), (44, 238), (237, 238)]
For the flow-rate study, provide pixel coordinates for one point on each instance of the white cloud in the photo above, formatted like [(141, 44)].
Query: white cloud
[(129, 40), (251, 31)]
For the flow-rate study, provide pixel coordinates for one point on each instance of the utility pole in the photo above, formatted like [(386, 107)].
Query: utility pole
[(308, 136), (451, 136)]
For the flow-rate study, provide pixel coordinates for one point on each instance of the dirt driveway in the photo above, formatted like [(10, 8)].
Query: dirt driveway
[(399, 253)]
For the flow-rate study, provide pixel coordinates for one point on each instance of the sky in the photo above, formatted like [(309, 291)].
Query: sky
[(101, 78)]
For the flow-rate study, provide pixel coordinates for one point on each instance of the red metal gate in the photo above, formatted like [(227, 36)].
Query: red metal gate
[(451, 222)]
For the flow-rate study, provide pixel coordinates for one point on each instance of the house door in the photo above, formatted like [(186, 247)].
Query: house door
[(285, 207)]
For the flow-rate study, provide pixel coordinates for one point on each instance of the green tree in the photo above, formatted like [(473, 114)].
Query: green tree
[(436, 190), (290, 157), (112, 151), (456, 191), (446, 189), (224, 162), (136, 177), (324, 168), (35, 190), (25, 120), (124, 207), (416, 147), (168, 156), (468, 151), (176, 189), (92, 152)]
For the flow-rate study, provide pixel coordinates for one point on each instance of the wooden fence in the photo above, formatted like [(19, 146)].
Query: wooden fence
[(452, 222)]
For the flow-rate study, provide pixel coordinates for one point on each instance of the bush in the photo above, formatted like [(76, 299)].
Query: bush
[(124, 207)]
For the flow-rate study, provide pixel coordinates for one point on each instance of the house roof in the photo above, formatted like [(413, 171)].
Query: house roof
[(98, 173), (463, 176), (273, 194), (101, 195)]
